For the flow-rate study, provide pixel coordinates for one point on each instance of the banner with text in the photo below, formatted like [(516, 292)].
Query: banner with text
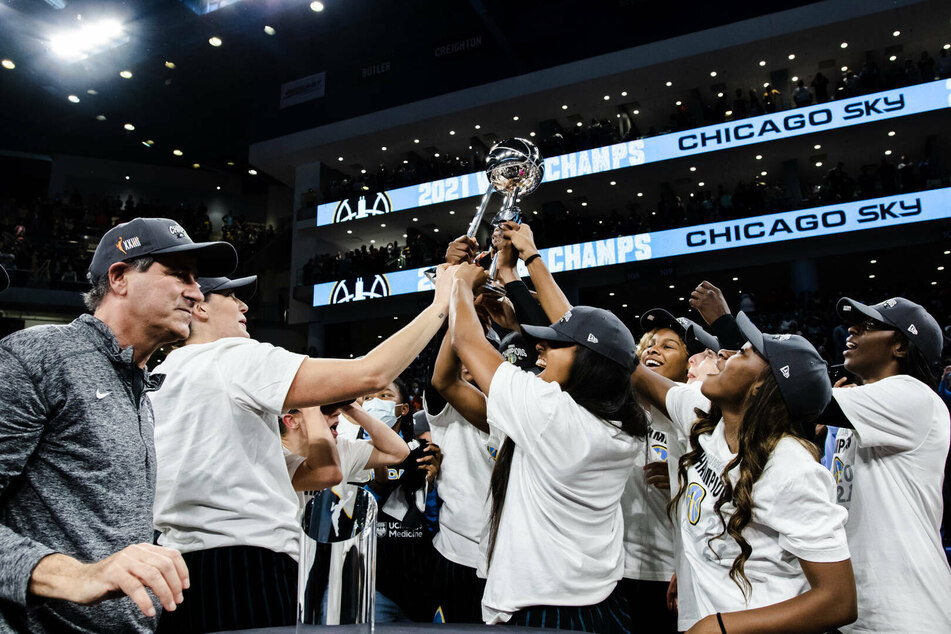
[(790, 225), (789, 123)]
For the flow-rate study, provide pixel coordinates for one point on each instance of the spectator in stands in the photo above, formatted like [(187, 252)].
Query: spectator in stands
[(802, 97)]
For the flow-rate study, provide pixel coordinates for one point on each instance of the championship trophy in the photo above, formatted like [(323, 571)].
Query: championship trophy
[(515, 168)]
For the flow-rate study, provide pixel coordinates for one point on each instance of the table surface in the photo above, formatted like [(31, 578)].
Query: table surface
[(388, 628)]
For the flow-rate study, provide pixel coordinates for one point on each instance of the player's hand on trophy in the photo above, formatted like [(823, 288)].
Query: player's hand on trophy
[(462, 249), (521, 237), (500, 310), (444, 278), (708, 300), (472, 275)]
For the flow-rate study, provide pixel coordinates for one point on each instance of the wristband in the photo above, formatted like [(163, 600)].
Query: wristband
[(531, 258), (720, 621)]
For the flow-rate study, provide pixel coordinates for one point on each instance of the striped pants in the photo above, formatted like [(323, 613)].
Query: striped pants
[(234, 588), (611, 616)]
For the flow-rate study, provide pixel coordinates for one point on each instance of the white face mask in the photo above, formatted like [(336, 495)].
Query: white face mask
[(382, 410)]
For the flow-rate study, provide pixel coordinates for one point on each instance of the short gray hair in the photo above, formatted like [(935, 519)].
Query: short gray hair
[(100, 288)]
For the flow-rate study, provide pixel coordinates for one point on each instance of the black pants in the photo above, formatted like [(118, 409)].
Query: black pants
[(611, 616), (647, 601), (458, 592), (235, 588)]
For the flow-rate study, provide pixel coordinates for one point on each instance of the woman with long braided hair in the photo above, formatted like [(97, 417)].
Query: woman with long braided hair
[(764, 546)]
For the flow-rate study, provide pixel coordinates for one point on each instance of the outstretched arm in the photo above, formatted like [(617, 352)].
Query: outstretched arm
[(552, 299), (652, 387), (321, 381), (468, 342), (447, 380)]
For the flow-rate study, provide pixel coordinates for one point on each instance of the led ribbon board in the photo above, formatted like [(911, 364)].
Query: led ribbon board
[(876, 213), (781, 125)]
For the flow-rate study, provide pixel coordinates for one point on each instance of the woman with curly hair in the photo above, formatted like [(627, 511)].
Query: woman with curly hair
[(764, 546)]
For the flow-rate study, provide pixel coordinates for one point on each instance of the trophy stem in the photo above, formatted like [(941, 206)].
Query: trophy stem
[(477, 219)]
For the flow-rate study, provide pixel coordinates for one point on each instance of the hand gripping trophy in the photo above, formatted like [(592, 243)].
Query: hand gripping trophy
[(515, 168)]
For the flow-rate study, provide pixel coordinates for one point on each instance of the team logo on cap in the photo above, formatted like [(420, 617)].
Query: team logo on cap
[(177, 231), (683, 322), (888, 303), (781, 337), (912, 329), (565, 317), (592, 338), (785, 371), (131, 243)]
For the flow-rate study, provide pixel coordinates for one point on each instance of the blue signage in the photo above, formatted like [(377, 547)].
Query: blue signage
[(828, 116), (876, 213)]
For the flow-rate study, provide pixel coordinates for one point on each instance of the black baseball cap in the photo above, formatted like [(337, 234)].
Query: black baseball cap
[(694, 337), (907, 317), (158, 236), (699, 340), (210, 285), (520, 352), (594, 328), (802, 375), (4, 279)]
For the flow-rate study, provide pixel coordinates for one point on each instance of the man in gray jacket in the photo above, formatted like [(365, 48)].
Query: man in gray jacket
[(77, 458)]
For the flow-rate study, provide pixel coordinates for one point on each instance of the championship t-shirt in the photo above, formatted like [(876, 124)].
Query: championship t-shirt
[(222, 476), (794, 517), (561, 532), (888, 472), (462, 484), (648, 533)]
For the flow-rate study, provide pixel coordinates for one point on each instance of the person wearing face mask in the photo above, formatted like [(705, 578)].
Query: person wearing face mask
[(889, 459), (405, 495), (224, 492)]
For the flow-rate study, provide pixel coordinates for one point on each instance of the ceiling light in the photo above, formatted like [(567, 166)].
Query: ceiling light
[(946, 46), (871, 277), (637, 111), (452, 212), (148, 143), (349, 231), (844, 68), (531, 134), (218, 188), (435, 229), (795, 78), (762, 62), (624, 93), (888, 152), (102, 117), (127, 177), (477, 126), (713, 73), (269, 30), (719, 94), (196, 165), (763, 173), (816, 147), (382, 225), (253, 172), (88, 39), (892, 58), (728, 113), (623, 305), (693, 169), (792, 56), (127, 126), (896, 33), (759, 157), (613, 183), (92, 92), (317, 6), (8, 64), (177, 152), (170, 65), (515, 118), (873, 261), (570, 191), (640, 194), (669, 84), (215, 41), (125, 74), (679, 103), (818, 163), (339, 158), (73, 98), (383, 148), (891, 133), (363, 171), (415, 219), (579, 124), (452, 133), (415, 140), (607, 97), (844, 45), (611, 294), (564, 107), (766, 85), (436, 154), (584, 204), (671, 286), (701, 184)]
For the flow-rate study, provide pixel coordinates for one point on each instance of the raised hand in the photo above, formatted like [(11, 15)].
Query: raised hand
[(462, 249), (708, 300)]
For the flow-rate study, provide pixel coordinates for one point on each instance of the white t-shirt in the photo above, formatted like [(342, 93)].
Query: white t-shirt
[(889, 472), (794, 517), (222, 476), (353, 455), (462, 485), (561, 533), (648, 533)]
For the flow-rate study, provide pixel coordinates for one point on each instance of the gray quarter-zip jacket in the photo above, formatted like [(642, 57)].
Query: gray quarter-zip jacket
[(77, 468)]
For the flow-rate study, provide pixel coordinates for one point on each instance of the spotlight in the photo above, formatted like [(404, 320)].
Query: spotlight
[(317, 6), (215, 41), (8, 64), (269, 30), (87, 40), (127, 126), (125, 74), (170, 65), (253, 172), (177, 152), (73, 98)]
